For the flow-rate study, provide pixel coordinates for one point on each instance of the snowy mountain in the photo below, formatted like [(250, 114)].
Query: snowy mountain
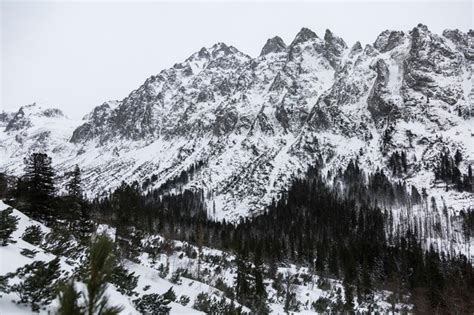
[(249, 126)]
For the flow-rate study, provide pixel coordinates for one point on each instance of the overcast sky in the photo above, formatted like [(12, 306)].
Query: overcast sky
[(76, 55)]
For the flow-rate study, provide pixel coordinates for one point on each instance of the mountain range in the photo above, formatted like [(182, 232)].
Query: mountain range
[(242, 128)]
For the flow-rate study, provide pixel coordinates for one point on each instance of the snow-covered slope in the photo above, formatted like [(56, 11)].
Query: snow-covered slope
[(12, 259), (215, 267), (251, 125)]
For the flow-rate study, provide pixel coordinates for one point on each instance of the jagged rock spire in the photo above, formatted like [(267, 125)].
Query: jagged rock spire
[(273, 45), (304, 35), (334, 44), (387, 40), (357, 47)]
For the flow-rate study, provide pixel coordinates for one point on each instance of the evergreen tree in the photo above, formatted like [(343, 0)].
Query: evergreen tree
[(8, 224), (153, 304), (457, 157), (99, 272), (68, 301), (259, 303), (291, 303), (124, 281), (348, 296), (38, 283), (73, 185), (39, 183), (33, 235), (243, 288), (3, 186)]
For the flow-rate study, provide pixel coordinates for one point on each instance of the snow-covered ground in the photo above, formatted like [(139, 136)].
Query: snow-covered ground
[(214, 265)]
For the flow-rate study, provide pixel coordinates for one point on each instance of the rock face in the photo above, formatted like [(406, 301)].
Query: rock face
[(254, 124), (273, 45)]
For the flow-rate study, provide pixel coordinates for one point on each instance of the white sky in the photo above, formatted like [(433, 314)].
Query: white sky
[(76, 55)]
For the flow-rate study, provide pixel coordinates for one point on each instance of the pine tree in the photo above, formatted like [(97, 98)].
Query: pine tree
[(242, 283), (73, 185), (68, 301), (8, 224), (260, 293), (101, 265), (3, 185), (39, 181), (291, 303), (33, 235), (38, 283), (457, 157), (349, 295)]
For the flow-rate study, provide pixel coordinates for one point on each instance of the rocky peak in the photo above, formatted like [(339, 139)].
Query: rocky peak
[(335, 46), (52, 112), (304, 35), (420, 36), (273, 45), (221, 50), (22, 118), (464, 42), (95, 122), (203, 53), (356, 48), (216, 51), (431, 56), (388, 40), (5, 117), (100, 111)]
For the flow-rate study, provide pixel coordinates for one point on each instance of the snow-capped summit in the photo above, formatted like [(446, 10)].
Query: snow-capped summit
[(22, 118)]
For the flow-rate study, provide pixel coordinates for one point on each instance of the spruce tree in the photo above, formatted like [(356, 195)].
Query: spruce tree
[(242, 284), (73, 202), (101, 265), (38, 283), (39, 181), (8, 224), (73, 185), (68, 301), (457, 157), (260, 293)]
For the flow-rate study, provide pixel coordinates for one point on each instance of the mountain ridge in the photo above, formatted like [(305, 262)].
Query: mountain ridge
[(257, 123)]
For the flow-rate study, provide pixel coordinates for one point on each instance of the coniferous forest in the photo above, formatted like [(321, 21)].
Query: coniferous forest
[(345, 231)]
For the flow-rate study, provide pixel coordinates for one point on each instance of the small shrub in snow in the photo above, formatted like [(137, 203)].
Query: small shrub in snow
[(59, 242), (228, 291), (324, 284), (33, 235), (184, 300), (124, 281), (170, 295), (176, 276), (153, 304), (38, 283), (28, 252), (321, 305), (209, 305), (164, 270), (4, 287)]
